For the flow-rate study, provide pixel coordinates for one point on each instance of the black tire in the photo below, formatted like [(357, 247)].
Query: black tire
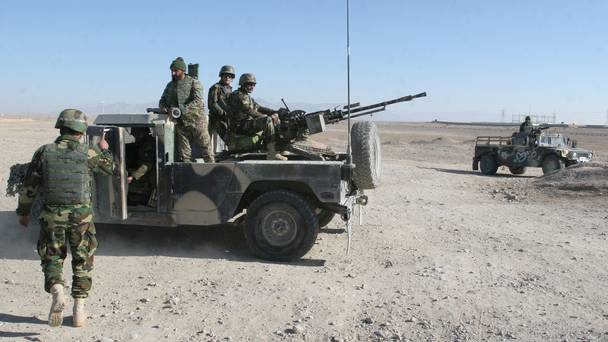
[(488, 165), (324, 216), (552, 163), (517, 170), (366, 150), (281, 226)]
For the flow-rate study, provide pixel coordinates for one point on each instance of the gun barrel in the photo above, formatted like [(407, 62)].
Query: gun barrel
[(389, 102)]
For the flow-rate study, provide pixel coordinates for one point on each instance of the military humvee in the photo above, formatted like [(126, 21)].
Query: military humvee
[(281, 204), (551, 151)]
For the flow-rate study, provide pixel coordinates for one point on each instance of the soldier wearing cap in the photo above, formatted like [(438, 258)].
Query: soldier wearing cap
[(185, 92), (217, 99), (62, 172), (526, 126), (248, 118)]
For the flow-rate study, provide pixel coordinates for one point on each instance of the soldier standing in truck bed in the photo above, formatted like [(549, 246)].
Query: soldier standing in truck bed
[(217, 99), (185, 92), (248, 118)]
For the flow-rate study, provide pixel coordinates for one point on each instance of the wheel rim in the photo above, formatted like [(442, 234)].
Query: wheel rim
[(279, 228)]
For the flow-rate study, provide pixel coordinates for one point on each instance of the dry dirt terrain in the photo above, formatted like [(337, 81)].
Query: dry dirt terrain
[(443, 254)]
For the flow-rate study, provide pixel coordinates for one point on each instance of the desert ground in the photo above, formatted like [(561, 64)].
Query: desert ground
[(443, 254)]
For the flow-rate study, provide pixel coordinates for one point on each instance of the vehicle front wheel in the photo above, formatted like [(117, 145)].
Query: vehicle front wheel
[(517, 170), (488, 164), (552, 163), (280, 225)]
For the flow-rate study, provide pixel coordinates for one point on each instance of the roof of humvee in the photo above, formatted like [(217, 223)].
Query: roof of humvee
[(128, 119)]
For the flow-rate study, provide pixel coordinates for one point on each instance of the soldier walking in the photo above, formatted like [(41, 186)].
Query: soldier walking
[(185, 92), (247, 117), (61, 171), (218, 105)]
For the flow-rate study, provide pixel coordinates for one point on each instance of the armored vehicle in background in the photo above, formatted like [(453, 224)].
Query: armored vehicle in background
[(551, 151)]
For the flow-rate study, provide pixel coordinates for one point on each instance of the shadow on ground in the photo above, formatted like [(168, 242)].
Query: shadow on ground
[(215, 242), (474, 173)]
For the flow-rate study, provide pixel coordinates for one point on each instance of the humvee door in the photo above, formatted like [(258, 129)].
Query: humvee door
[(110, 192)]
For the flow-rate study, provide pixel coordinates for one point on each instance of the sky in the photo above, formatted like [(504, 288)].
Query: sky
[(475, 59)]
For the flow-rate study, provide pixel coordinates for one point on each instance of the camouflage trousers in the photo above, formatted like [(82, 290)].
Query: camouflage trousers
[(60, 226), (262, 124), (198, 134)]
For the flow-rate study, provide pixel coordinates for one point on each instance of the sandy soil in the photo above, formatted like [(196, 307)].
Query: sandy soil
[(443, 254)]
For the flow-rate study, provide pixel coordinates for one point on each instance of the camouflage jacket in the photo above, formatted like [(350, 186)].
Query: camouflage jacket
[(145, 157), (243, 107), (526, 127), (100, 161), (218, 99), (187, 95)]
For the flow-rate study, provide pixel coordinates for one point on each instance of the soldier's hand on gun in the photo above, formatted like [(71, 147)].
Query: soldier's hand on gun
[(24, 220), (275, 119), (103, 144), (130, 179)]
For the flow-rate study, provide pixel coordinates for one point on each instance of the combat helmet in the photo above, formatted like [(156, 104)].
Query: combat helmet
[(247, 78), (72, 119), (227, 69)]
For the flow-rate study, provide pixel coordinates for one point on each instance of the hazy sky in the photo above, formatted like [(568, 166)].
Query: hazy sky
[(474, 58)]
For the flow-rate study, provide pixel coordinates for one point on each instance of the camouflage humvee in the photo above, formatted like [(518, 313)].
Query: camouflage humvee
[(551, 151), (282, 204)]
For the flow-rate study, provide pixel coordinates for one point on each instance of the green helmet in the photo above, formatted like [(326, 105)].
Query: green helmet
[(178, 63), (227, 69), (72, 119), (247, 78)]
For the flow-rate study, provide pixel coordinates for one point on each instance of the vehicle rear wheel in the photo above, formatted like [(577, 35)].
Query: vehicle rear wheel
[(324, 216), (488, 164), (365, 144), (517, 170), (552, 163), (280, 225)]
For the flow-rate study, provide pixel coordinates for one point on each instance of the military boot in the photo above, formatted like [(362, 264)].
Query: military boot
[(56, 313), (79, 316), (272, 153)]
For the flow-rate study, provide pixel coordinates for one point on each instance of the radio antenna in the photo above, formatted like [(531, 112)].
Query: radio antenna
[(348, 147)]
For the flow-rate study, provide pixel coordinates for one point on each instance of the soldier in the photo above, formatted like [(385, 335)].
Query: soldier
[(247, 117), (185, 92), (62, 172), (140, 178), (217, 99), (526, 126)]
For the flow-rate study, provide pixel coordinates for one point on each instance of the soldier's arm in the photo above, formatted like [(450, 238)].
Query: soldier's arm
[(31, 184), (214, 101), (196, 98), (162, 103), (263, 110), (101, 161)]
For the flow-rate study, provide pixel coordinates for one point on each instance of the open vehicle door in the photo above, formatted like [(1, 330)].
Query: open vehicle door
[(110, 192)]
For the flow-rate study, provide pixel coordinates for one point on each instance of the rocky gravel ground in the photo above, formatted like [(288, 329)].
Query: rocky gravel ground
[(443, 254)]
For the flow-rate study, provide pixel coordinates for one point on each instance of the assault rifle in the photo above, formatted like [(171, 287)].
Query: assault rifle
[(297, 124)]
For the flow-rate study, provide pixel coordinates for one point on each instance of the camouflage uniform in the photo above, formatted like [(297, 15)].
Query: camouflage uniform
[(67, 214), (186, 94), (247, 117), (143, 183), (218, 107)]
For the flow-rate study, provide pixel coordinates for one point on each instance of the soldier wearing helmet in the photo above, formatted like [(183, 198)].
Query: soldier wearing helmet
[(217, 99), (248, 118), (185, 92), (62, 172)]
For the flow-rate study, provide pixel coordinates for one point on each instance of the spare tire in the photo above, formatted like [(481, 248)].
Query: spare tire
[(365, 145)]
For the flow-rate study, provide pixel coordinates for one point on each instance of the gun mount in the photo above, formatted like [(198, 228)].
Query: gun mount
[(297, 124)]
